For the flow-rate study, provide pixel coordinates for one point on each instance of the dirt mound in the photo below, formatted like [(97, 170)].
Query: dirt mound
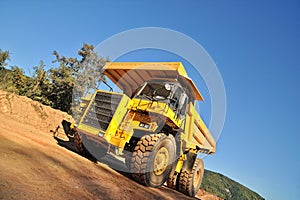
[(33, 165), (27, 111)]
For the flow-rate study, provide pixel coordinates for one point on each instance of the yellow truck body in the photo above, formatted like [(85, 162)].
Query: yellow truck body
[(158, 101)]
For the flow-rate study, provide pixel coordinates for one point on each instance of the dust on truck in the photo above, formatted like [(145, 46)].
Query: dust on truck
[(153, 124)]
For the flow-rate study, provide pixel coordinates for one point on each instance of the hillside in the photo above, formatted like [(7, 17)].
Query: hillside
[(34, 165), (226, 188)]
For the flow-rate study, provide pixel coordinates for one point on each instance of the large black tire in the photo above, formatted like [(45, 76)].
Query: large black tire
[(79, 145), (92, 149), (190, 181), (173, 180), (152, 159)]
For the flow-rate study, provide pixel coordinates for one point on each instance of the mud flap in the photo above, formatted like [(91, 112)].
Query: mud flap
[(67, 129), (189, 162)]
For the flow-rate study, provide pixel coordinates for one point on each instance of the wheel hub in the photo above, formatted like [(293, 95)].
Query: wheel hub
[(161, 161), (197, 176)]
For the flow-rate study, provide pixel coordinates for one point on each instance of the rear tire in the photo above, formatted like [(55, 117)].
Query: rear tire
[(190, 181), (173, 181), (152, 158)]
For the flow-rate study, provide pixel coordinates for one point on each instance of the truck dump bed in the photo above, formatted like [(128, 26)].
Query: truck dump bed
[(197, 133), (129, 76)]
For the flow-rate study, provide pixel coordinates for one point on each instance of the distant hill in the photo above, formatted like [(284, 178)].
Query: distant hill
[(226, 188)]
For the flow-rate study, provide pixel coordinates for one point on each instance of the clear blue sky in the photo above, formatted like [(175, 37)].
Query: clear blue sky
[(255, 44)]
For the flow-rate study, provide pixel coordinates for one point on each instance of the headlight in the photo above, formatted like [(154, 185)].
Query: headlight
[(143, 125), (100, 134)]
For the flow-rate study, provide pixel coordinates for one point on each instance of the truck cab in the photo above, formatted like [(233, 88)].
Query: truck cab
[(170, 93)]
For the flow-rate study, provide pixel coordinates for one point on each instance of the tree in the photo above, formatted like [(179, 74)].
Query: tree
[(89, 75), (40, 85), (80, 76), (4, 56), (62, 82), (89, 71), (15, 81), (62, 86)]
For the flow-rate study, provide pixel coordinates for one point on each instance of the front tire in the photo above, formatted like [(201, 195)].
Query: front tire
[(79, 144), (152, 158), (89, 148)]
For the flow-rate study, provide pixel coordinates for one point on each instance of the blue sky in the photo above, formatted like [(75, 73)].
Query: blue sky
[(255, 44)]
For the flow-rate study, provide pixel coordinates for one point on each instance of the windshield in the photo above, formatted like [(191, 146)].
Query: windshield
[(156, 90)]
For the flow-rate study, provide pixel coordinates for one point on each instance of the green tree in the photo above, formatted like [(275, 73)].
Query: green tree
[(4, 56), (62, 82), (83, 75), (15, 81), (40, 85), (62, 86)]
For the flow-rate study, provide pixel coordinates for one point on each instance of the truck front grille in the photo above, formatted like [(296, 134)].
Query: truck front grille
[(101, 110)]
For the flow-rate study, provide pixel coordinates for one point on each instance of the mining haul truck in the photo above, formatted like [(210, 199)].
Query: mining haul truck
[(152, 124)]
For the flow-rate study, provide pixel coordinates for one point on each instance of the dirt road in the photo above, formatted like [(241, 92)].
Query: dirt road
[(34, 165)]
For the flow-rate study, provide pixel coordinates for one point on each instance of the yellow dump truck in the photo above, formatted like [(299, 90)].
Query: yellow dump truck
[(153, 124)]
